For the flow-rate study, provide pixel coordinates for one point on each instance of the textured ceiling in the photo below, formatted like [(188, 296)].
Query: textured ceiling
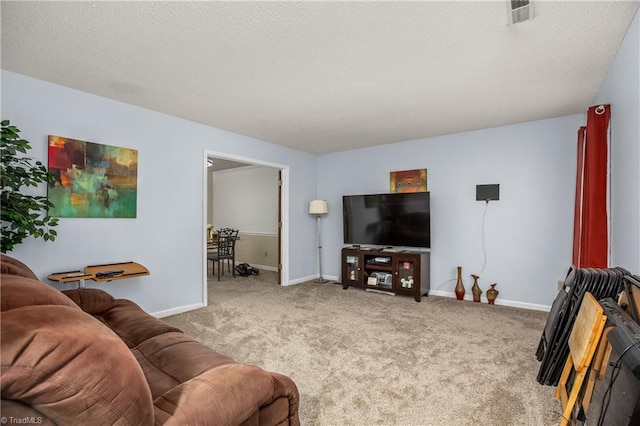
[(324, 76)]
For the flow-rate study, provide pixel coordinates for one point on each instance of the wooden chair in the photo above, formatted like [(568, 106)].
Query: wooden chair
[(583, 342), (224, 251)]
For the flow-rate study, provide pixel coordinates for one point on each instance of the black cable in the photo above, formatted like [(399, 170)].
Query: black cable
[(614, 375), (484, 244)]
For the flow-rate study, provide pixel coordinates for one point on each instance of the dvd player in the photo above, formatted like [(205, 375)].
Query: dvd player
[(380, 259)]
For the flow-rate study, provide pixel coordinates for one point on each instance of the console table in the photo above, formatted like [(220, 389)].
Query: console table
[(101, 273)]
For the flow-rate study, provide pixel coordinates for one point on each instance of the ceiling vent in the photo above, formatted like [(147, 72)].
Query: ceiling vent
[(519, 11)]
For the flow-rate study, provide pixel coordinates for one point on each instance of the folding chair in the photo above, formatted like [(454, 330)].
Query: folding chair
[(583, 341)]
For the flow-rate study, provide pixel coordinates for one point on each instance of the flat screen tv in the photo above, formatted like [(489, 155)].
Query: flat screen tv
[(398, 219)]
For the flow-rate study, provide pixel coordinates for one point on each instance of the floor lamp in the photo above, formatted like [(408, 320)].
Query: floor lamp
[(319, 208)]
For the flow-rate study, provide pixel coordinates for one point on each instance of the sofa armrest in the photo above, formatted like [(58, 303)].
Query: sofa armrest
[(225, 395), (284, 388)]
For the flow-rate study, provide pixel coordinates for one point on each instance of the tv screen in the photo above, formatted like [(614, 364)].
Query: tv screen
[(399, 219)]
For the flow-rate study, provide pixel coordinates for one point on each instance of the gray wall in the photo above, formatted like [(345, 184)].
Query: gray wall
[(167, 236), (528, 232), (621, 89)]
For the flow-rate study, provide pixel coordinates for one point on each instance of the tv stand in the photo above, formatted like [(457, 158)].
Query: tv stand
[(400, 272)]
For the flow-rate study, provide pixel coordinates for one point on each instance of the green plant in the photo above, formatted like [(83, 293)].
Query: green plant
[(22, 215)]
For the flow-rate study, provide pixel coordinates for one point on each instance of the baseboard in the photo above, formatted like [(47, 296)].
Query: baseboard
[(511, 303), (260, 267), (329, 278), (178, 310), (302, 280), (265, 268), (502, 302), (332, 279)]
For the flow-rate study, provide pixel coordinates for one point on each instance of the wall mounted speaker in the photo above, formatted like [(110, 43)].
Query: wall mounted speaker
[(488, 192)]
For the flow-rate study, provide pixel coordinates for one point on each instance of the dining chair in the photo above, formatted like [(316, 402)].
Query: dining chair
[(224, 251)]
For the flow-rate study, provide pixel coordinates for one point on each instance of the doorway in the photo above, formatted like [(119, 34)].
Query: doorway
[(225, 161)]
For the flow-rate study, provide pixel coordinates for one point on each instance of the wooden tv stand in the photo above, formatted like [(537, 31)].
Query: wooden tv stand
[(401, 272)]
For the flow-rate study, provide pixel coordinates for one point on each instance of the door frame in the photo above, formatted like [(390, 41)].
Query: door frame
[(283, 231)]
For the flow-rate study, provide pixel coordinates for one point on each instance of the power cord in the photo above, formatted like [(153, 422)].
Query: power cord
[(482, 237), (446, 282), (617, 367)]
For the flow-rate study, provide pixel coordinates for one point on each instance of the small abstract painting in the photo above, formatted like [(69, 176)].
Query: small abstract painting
[(409, 181), (91, 179)]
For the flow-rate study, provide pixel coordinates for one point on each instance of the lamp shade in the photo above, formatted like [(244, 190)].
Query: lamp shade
[(318, 207)]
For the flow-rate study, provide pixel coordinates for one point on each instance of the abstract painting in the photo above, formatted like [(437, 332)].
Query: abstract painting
[(409, 181), (91, 179)]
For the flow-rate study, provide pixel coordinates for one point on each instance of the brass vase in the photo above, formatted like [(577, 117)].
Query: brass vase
[(492, 293), (459, 286), (475, 289)]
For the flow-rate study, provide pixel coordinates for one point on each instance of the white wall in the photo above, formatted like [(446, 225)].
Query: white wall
[(621, 89), (528, 231), (245, 198), (167, 236)]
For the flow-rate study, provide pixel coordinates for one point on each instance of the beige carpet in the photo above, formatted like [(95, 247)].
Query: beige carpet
[(361, 358)]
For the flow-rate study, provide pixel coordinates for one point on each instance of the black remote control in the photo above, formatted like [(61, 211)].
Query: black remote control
[(112, 273)]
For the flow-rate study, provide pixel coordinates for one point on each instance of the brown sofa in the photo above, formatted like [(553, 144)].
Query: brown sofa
[(82, 357)]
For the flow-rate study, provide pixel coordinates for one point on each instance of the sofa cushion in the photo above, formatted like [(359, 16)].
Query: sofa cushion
[(132, 324), (21, 411), (70, 367), (91, 300), (11, 266), (18, 291), (162, 360)]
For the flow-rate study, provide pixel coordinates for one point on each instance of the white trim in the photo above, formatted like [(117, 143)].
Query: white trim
[(608, 195), (502, 302), (284, 231), (178, 310), (242, 159), (329, 278), (259, 234), (205, 263), (259, 267), (303, 279), (311, 278)]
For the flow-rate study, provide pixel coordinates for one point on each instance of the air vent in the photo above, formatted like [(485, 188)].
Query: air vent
[(519, 11)]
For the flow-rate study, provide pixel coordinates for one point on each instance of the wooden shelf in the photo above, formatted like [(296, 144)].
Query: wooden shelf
[(69, 276), (129, 270)]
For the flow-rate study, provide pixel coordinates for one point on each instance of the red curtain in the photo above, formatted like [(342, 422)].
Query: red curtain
[(577, 217), (591, 223)]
